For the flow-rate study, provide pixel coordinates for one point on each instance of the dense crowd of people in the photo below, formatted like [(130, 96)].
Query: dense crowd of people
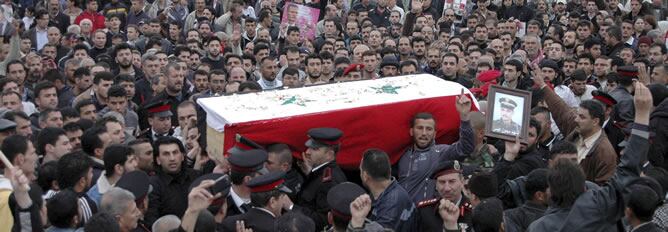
[(102, 132)]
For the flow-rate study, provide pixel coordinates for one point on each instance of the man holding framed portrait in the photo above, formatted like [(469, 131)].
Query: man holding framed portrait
[(583, 127)]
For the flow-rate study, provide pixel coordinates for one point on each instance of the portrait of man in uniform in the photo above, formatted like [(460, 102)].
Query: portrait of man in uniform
[(508, 113)]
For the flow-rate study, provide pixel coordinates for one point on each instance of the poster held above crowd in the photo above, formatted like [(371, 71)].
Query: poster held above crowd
[(507, 113)]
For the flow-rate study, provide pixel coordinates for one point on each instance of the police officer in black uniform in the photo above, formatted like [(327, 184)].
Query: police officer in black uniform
[(159, 118), (137, 182), (264, 189), (244, 165), (449, 185), (322, 173)]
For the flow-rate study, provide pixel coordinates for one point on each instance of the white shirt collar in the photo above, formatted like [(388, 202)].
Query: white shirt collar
[(630, 41), (605, 123), (238, 201)]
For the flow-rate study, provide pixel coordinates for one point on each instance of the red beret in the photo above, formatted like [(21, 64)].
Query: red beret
[(489, 75), (353, 67)]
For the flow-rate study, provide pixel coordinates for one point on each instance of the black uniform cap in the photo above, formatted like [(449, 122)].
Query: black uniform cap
[(447, 167), (247, 161), (323, 137), (340, 196), (268, 182), (6, 125), (158, 108), (507, 103), (604, 98), (137, 183), (628, 72)]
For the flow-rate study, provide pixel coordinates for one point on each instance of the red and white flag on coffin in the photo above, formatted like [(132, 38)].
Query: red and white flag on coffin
[(371, 114)]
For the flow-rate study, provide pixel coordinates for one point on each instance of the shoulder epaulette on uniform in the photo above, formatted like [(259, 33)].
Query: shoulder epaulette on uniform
[(327, 174), (147, 130), (428, 202)]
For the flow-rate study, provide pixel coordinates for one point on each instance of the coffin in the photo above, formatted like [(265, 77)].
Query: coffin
[(371, 114)]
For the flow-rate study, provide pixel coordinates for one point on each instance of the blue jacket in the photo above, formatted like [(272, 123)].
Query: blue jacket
[(394, 209), (416, 165)]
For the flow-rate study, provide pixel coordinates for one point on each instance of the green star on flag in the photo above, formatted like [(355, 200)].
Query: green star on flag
[(389, 89), (296, 101)]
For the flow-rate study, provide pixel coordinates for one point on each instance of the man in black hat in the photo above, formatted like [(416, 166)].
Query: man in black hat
[(505, 124), (322, 173), (244, 165), (450, 186), (137, 182), (623, 94), (171, 181), (269, 199), (612, 130), (160, 120), (7, 128), (389, 66)]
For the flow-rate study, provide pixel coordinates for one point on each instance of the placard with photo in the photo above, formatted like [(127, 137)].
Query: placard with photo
[(508, 113)]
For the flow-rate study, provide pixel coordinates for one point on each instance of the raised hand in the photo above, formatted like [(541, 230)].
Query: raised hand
[(241, 227), (236, 34), (200, 198), (512, 149), (538, 77), (416, 6), (449, 213), (642, 100), (359, 209), (21, 185), (463, 105), (643, 74)]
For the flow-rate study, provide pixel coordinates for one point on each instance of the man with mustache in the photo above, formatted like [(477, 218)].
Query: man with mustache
[(421, 159)]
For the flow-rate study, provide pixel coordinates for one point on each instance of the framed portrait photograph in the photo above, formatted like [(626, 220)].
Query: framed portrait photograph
[(507, 113)]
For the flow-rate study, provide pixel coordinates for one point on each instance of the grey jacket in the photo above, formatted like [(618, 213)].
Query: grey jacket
[(624, 110), (600, 209), (416, 165)]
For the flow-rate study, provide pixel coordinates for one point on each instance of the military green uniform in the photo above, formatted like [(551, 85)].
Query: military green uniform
[(509, 128), (499, 126)]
